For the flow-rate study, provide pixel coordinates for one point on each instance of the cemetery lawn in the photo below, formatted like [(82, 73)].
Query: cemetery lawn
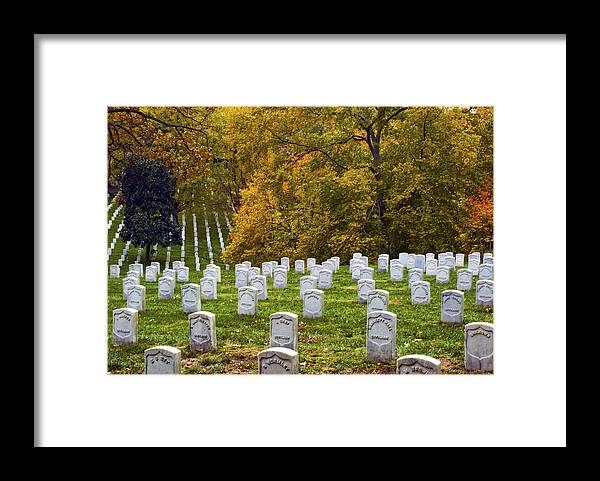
[(334, 344)]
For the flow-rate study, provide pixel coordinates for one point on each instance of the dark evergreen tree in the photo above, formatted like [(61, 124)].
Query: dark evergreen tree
[(150, 210)]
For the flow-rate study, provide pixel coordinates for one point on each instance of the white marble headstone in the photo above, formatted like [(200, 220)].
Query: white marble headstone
[(313, 303), (420, 292), (125, 322), (284, 330), (452, 306), (162, 360), (381, 336), (203, 336), (479, 346), (278, 360), (364, 286), (247, 300), (190, 297), (306, 283), (418, 364)]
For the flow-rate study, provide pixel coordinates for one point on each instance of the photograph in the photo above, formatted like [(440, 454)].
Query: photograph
[(342, 208), (300, 240)]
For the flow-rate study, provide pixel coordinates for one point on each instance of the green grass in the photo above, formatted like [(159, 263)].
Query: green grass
[(334, 344)]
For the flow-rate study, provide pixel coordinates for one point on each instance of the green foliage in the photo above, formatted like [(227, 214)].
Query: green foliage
[(150, 211)]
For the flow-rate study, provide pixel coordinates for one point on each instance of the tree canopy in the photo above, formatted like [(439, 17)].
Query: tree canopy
[(323, 181), (150, 215)]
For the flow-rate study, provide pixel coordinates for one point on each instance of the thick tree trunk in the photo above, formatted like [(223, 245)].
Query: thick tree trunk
[(148, 253)]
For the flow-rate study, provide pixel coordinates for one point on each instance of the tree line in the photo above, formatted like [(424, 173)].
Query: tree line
[(323, 181)]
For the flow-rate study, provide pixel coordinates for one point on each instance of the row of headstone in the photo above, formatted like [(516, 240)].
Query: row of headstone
[(227, 221), (208, 242), (196, 251), (115, 213), (282, 355), (124, 254), (218, 224), (114, 240), (182, 235), (381, 343)]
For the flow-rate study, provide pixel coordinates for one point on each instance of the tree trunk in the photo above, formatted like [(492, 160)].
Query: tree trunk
[(148, 254)]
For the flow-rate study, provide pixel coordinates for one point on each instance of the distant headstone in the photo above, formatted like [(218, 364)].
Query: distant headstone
[(364, 286), (329, 265), (383, 262), (452, 306), (252, 273), (136, 298), (285, 262), (280, 278), (115, 270), (403, 257), (367, 273), (170, 273), (306, 283), (377, 300), (414, 275), (325, 279), (311, 261), (125, 322), (473, 264), (336, 259), (157, 265), (420, 262), (162, 360), (151, 274), (313, 303), (486, 272), (267, 269), (464, 280), (381, 336), (460, 260), (203, 337), (479, 346), (128, 284), (183, 274), (247, 264), (208, 288), (484, 293), (299, 266), (411, 262), (418, 364), (260, 284), (356, 271), (166, 287), (431, 267), (247, 300), (135, 274), (190, 298), (138, 267), (241, 277), (315, 269), (420, 292), (284, 330), (442, 275), (396, 270), (278, 360), (449, 262)]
